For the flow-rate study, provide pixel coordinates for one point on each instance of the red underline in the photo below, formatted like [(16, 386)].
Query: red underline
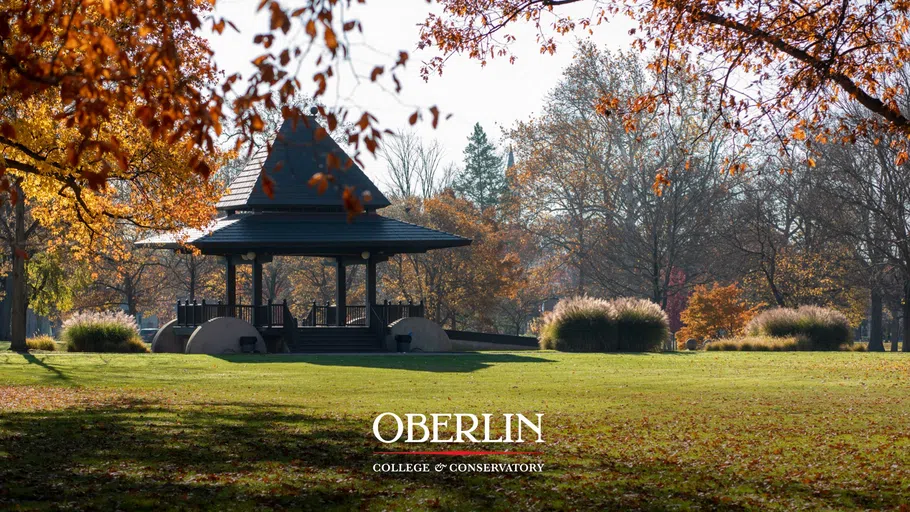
[(458, 453)]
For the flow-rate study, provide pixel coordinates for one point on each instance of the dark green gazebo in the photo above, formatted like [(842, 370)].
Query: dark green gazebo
[(299, 221)]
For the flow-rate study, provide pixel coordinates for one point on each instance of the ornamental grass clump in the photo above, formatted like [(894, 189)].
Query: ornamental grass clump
[(586, 324), (823, 328), (102, 332), (641, 325), (760, 344), (579, 324), (42, 342)]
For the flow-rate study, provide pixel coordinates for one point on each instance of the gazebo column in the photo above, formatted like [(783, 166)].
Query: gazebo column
[(372, 321), (257, 281), (341, 292), (230, 281), (257, 288)]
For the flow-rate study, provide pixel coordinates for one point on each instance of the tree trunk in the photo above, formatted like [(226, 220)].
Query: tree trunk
[(875, 322), (6, 307), (20, 295), (905, 306), (893, 328)]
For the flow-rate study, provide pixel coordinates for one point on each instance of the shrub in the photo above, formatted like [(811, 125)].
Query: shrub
[(585, 324), (42, 342), (823, 328), (640, 324), (579, 324), (719, 311), (102, 332)]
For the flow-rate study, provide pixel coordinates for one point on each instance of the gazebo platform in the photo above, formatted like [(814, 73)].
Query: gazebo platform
[(318, 331)]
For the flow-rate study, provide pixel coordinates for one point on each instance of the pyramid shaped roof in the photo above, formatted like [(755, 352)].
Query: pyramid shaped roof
[(295, 156)]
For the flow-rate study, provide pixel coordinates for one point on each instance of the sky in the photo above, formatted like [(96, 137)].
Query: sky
[(496, 95)]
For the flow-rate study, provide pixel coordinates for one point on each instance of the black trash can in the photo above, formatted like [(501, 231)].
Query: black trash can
[(403, 342), (248, 344)]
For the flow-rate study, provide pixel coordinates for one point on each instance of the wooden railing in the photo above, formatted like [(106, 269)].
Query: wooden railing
[(392, 312), (191, 314), (388, 312)]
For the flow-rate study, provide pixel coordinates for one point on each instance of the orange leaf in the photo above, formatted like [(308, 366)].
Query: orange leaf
[(268, 186), (256, 123), (320, 181), (330, 40)]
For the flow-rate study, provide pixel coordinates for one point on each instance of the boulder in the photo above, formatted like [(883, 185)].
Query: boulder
[(426, 335), (222, 336)]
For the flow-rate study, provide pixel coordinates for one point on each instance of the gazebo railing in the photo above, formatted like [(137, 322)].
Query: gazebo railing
[(392, 312), (191, 314), (323, 315)]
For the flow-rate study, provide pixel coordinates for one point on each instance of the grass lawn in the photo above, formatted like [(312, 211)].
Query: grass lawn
[(681, 431)]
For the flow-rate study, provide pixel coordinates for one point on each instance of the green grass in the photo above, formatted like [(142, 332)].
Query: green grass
[(687, 431)]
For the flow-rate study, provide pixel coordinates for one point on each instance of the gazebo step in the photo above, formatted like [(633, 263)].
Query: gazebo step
[(335, 339)]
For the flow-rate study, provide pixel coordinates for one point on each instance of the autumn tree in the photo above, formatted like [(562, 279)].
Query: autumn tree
[(873, 194), (461, 287), (192, 276), (584, 181), (798, 59), (81, 157), (715, 312), (126, 278)]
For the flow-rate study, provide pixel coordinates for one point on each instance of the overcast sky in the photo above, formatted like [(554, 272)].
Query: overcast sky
[(495, 95)]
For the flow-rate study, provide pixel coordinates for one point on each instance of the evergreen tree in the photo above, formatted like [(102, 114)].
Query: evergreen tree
[(483, 179)]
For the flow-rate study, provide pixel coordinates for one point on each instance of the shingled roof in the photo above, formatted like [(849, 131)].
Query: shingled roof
[(310, 234), (295, 156)]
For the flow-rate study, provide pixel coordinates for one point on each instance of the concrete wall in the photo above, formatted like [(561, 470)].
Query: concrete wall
[(476, 346)]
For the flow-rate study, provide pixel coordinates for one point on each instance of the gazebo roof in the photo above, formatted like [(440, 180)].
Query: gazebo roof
[(309, 234), (298, 220), (295, 156)]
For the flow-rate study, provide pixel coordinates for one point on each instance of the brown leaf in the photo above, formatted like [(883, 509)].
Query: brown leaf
[(7, 130)]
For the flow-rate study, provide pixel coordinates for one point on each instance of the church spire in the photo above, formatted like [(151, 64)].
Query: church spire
[(511, 160)]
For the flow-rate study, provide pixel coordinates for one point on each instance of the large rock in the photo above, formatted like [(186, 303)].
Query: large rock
[(165, 341), (222, 336), (426, 336)]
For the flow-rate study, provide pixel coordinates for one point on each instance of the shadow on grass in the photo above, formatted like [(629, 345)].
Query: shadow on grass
[(148, 455), (40, 362), (444, 363)]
